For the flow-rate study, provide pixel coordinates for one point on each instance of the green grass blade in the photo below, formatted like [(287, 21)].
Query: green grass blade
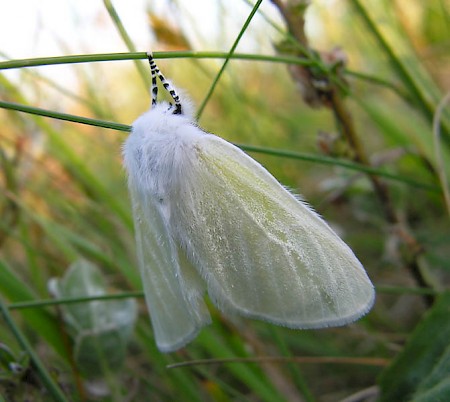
[(144, 73), (227, 59), (91, 58), (250, 148), (408, 80), (51, 386)]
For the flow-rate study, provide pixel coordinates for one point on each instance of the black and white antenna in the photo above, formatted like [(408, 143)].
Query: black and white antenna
[(156, 73)]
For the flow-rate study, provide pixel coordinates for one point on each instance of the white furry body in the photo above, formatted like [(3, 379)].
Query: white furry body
[(209, 217)]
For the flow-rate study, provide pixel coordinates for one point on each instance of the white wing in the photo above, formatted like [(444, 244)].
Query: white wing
[(263, 253), (172, 288)]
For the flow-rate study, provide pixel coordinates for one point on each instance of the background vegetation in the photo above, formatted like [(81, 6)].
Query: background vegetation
[(370, 153)]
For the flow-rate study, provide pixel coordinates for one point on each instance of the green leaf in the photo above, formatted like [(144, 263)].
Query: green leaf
[(422, 369), (101, 329), (436, 386)]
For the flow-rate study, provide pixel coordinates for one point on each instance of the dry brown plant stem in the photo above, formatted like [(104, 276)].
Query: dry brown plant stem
[(293, 12)]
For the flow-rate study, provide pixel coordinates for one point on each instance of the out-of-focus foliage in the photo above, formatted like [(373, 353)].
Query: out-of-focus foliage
[(100, 329)]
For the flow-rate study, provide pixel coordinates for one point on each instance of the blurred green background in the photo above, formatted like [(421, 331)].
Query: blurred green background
[(64, 203)]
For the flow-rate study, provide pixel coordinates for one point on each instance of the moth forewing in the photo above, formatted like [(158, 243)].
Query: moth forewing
[(261, 251), (176, 308)]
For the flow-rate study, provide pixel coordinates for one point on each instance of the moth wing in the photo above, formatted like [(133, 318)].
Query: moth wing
[(262, 252), (173, 290)]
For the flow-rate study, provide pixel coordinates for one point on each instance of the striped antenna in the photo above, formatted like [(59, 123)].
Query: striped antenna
[(156, 73), (154, 70)]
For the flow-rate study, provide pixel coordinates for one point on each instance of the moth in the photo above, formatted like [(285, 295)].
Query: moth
[(209, 218)]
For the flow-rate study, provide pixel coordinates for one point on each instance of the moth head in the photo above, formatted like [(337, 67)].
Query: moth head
[(185, 108)]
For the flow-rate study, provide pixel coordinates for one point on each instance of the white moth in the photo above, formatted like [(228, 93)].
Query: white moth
[(210, 218)]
